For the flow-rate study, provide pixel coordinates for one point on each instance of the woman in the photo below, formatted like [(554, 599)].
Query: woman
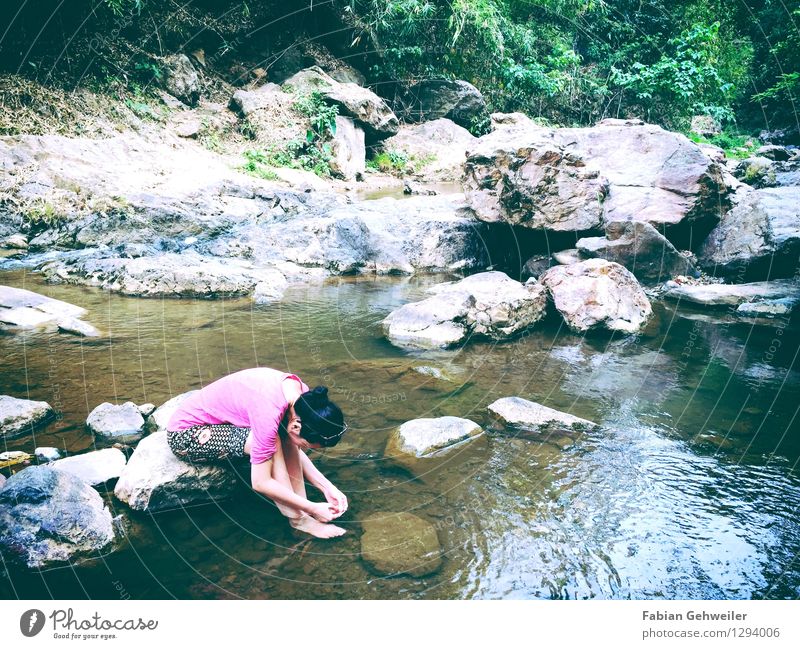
[(273, 417)]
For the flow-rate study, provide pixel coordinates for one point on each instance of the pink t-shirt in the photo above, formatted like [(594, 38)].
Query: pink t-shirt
[(251, 398)]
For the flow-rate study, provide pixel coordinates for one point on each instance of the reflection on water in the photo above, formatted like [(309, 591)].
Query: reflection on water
[(689, 489)]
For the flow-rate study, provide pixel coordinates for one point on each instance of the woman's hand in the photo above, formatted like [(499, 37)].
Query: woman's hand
[(336, 499), (323, 512)]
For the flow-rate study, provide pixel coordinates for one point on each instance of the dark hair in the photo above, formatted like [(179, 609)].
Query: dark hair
[(323, 421)]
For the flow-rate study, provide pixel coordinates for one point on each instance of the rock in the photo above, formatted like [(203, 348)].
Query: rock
[(344, 73), (188, 128), (783, 136), (94, 468), (155, 479), (368, 110), (48, 517), (458, 101), (14, 458), (487, 304), (146, 409), (157, 422), (3, 480), (26, 309), (757, 172), (598, 293), (567, 257), (428, 436), (536, 266), (181, 79), (579, 178), (436, 150), (716, 153), (46, 454), (14, 242), (787, 174), (246, 102), (116, 423), (768, 308), (759, 238), (267, 292), (415, 189), (348, 150), (774, 152), (733, 294), (529, 415), (640, 248), (400, 544), (21, 416), (705, 125)]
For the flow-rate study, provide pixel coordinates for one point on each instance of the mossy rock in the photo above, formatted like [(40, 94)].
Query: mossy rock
[(400, 544)]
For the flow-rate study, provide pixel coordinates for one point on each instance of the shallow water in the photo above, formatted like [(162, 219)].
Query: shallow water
[(689, 489)]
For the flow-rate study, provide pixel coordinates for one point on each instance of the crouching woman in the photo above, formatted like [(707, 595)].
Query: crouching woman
[(273, 418)]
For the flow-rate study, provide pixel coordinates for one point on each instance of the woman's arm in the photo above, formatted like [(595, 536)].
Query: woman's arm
[(329, 490), (262, 481)]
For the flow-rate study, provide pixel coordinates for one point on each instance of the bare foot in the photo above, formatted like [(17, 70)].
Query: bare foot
[(315, 528)]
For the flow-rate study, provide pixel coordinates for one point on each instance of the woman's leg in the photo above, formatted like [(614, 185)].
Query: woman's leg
[(291, 457), (281, 473)]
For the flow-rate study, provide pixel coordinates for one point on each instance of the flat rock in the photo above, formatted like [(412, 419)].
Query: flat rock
[(521, 413), (400, 544), (154, 479), (488, 304), (21, 416), (48, 517), (94, 468), (120, 423), (427, 436), (598, 293), (26, 309), (733, 294)]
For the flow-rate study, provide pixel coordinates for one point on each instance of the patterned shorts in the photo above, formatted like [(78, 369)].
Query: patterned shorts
[(208, 443)]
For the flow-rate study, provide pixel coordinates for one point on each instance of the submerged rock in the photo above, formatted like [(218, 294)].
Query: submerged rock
[(155, 479), (26, 309), (48, 517), (734, 294), (579, 178), (21, 416), (487, 304), (94, 468), (123, 423), (529, 415), (598, 293), (428, 436), (640, 248), (400, 544)]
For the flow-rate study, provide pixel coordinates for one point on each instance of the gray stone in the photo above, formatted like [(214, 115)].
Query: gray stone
[(94, 468), (640, 248), (269, 291), (158, 420), (733, 294), (25, 309), (14, 242), (246, 102), (757, 172), (46, 454), (181, 79), (537, 266), (598, 293), (458, 101), (758, 238), (774, 152), (348, 150), (567, 257), (48, 517), (487, 304), (768, 308), (425, 437), (146, 409), (21, 416), (119, 423), (400, 544), (529, 415), (368, 110)]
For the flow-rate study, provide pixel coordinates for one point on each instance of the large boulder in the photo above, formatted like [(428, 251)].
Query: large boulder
[(640, 248), (368, 110), (458, 101), (400, 544), (181, 79), (487, 304), (48, 517), (247, 102), (757, 172), (20, 308), (159, 418), (117, 423), (598, 293), (519, 413), (94, 468), (347, 149), (21, 416), (425, 437), (155, 479), (759, 238), (436, 150), (579, 178)]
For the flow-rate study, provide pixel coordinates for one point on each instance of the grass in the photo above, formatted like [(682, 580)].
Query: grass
[(398, 163), (736, 145)]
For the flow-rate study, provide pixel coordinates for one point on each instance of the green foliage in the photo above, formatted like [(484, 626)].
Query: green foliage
[(734, 143), (398, 163), (120, 7), (257, 164)]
